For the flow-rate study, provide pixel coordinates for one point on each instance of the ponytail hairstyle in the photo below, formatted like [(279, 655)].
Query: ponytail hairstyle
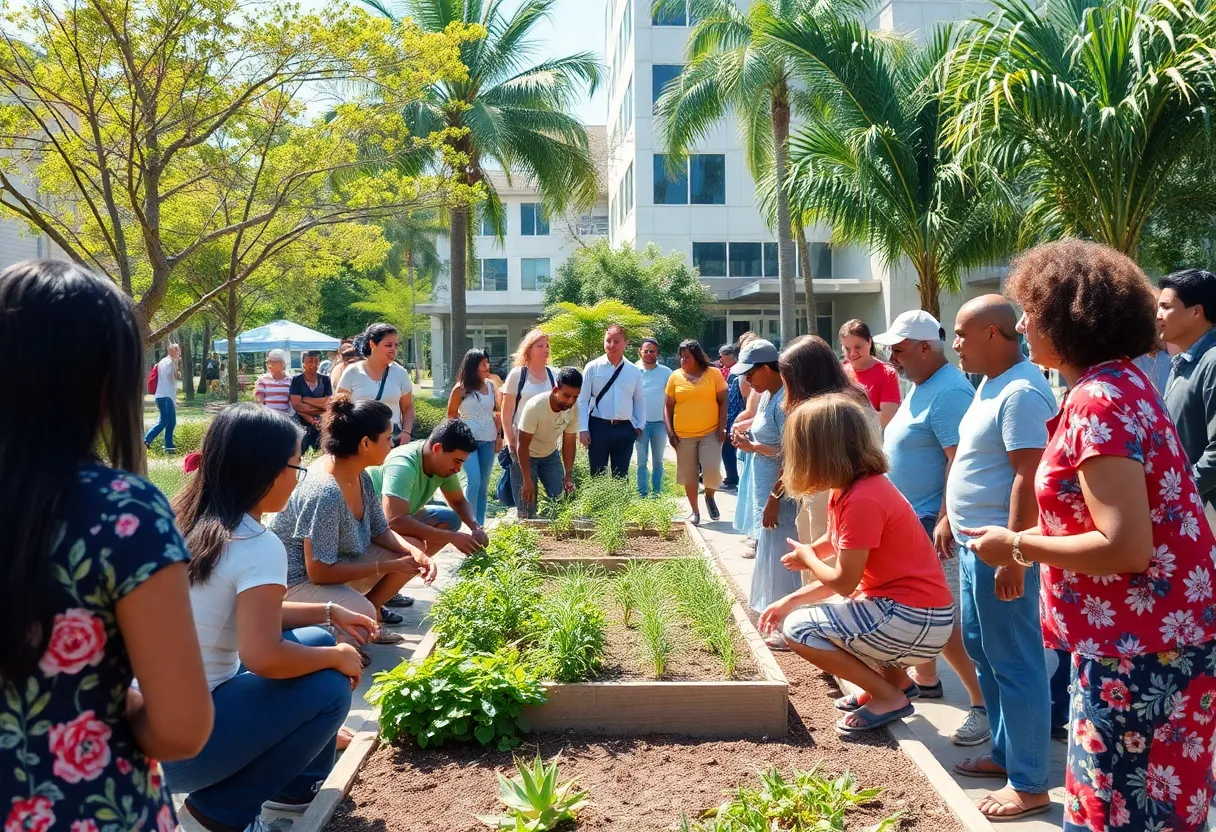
[(244, 450), (346, 423), (76, 319), (374, 334)]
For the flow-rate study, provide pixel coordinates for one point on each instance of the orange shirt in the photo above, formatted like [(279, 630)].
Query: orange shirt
[(902, 564), (696, 412)]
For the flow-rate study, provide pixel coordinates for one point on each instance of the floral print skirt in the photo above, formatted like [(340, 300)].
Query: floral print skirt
[(1141, 742)]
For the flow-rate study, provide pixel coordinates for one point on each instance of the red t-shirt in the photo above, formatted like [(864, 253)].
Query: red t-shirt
[(1114, 411), (902, 565), (880, 381)]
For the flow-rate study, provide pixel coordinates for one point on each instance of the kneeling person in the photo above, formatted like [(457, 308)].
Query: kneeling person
[(545, 420), (879, 602)]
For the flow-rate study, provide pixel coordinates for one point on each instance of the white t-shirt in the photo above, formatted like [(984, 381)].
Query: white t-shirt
[(356, 381), (531, 388), (166, 379), (477, 409), (255, 557)]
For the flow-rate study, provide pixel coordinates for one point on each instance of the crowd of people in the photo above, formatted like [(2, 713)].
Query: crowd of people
[(208, 647)]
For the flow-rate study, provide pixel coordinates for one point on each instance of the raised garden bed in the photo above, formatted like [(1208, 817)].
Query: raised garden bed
[(579, 546)]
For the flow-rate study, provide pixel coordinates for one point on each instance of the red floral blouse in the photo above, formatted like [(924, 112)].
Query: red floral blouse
[(1114, 410)]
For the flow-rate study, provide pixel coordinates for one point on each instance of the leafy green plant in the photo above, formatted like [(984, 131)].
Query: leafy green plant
[(453, 697), (625, 588), (805, 801), (654, 619), (570, 645), (610, 533), (705, 602), (486, 610), (561, 513), (514, 544), (656, 513), (535, 799)]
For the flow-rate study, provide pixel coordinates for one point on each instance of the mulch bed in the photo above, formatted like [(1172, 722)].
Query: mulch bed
[(638, 546), (642, 785)]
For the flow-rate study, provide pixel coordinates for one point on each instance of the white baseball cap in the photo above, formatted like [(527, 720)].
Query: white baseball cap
[(917, 325)]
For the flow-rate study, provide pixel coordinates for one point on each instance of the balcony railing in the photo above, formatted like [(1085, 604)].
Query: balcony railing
[(593, 226)]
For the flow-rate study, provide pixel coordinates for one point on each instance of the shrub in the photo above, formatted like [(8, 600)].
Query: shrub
[(453, 697), (187, 436), (168, 475), (428, 412), (486, 610), (512, 543)]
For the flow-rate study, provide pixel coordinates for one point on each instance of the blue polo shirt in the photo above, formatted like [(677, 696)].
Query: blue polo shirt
[(927, 421)]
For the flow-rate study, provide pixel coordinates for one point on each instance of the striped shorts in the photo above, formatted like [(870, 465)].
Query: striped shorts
[(878, 631)]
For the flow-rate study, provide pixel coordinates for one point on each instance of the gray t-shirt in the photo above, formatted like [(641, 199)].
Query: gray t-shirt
[(318, 511)]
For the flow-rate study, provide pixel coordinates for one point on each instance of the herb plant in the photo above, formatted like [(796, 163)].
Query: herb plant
[(705, 602), (654, 619), (486, 610), (535, 799), (453, 697), (625, 588), (570, 646)]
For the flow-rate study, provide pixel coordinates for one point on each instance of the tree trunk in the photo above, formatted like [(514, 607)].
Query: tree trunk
[(230, 324), (459, 222), (187, 343), (929, 288), (780, 110), (808, 285), (207, 350), (414, 338)]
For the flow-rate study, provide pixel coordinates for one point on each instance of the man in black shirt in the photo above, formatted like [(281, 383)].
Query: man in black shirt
[(310, 392)]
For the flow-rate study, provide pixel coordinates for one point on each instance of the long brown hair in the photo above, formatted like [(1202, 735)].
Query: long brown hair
[(829, 442), (858, 329), (810, 367)]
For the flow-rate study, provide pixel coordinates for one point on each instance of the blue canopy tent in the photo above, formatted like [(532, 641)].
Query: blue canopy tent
[(280, 335)]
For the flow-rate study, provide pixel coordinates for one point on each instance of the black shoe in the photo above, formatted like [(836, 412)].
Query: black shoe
[(208, 823), (1059, 733), (695, 518), (399, 601), (729, 488), (387, 616), (714, 514)]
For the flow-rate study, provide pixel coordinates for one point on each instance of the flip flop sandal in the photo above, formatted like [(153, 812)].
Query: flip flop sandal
[(932, 691), (1023, 812), (980, 773), (849, 703), (871, 721)]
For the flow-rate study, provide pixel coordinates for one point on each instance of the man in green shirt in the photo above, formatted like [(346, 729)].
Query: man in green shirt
[(409, 477)]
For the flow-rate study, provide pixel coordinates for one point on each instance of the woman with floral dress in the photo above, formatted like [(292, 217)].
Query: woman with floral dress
[(1126, 553), (93, 568)]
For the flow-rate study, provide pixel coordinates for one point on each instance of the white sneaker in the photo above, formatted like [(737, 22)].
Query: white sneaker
[(974, 730)]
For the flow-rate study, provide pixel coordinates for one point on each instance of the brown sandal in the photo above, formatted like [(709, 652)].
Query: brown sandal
[(967, 768), (1003, 803)]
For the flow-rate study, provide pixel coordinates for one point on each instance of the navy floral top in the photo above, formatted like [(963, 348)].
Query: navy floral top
[(68, 759)]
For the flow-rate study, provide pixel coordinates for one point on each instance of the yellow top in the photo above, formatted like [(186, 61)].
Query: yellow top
[(696, 404)]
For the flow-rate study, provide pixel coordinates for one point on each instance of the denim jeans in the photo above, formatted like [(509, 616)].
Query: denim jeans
[(272, 738), (730, 463), (650, 446), (477, 471), (1059, 689), (1005, 640), (439, 517), (613, 443), (547, 471), (167, 422)]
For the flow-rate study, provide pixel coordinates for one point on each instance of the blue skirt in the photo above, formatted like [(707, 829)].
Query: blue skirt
[(744, 512)]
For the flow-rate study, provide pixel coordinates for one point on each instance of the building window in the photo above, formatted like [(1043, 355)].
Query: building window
[(534, 273), (671, 13), (487, 228), (661, 76), (624, 114), (625, 197), (532, 220), (491, 275), (745, 260), (770, 260), (707, 179), (710, 259), (821, 260), (670, 187)]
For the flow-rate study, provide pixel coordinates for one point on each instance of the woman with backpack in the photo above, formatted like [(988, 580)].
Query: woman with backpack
[(531, 375), (475, 400)]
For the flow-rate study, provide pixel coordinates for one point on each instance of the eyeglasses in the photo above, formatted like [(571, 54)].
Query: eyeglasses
[(301, 472)]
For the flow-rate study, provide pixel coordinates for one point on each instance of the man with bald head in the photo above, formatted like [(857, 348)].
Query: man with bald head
[(991, 482)]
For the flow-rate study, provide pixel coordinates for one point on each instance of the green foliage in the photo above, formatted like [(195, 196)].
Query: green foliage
[(662, 286), (512, 545), (571, 641), (561, 512), (338, 316), (535, 799), (167, 475), (654, 618), (804, 802), (187, 436), (488, 609), (454, 697), (625, 588), (656, 513), (393, 300), (705, 602), (428, 412), (576, 333)]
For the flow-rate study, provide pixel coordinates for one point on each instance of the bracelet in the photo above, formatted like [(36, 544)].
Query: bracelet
[(329, 615), (1017, 551)]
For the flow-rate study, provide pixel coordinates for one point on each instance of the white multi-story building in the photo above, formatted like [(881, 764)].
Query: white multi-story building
[(707, 211)]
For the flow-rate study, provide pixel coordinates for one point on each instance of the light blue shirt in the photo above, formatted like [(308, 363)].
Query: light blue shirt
[(1009, 413), (654, 390), (926, 422), (1156, 367), (624, 400)]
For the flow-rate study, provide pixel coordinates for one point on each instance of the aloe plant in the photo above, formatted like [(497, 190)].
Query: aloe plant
[(535, 800)]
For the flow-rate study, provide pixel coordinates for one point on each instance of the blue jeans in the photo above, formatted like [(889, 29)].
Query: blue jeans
[(1059, 689), (439, 517), (272, 738), (610, 443), (546, 470), (477, 471), (167, 422), (650, 446), (1005, 640)]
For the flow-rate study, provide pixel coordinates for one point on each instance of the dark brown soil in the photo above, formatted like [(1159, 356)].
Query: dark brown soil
[(625, 656), (639, 546), (642, 785)]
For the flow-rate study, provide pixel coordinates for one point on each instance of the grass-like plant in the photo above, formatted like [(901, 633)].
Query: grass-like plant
[(536, 801), (625, 588), (570, 645), (655, 513), (654, 620), (706, 603)]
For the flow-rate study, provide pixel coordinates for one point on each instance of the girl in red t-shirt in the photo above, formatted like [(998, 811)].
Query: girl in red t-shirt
[(880, 602), (861, 364)]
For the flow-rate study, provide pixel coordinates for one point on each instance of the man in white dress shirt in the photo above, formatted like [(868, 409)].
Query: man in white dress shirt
[(611, 406)]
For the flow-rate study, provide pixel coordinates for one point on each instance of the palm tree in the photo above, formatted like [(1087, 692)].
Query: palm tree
[(1097, 103), (731, 70), (871, 165), (413, 237), (514, 114)]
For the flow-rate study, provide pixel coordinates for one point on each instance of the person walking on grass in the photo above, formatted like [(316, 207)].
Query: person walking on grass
[(546, 421), (611, 406), (653, 439), (474, 399), (166, 400), (991, 483), (93, 568), (310, 393), (861, 363), (695, 416), (1123, 548), (879, 601), (279, 683)]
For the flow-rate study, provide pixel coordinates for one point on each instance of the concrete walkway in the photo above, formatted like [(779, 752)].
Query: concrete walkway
[(934, 721)]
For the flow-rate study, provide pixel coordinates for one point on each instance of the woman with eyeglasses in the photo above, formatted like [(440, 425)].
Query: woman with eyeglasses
[(279, 684), (339, 546)]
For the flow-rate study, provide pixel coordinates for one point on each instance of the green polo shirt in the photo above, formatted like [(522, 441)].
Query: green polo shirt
[(401, 476)]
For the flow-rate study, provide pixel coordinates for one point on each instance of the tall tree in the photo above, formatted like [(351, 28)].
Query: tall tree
[(871, 164), (730, 70), (1097, 104), (508, 111), (414, 238), (121, 118)]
